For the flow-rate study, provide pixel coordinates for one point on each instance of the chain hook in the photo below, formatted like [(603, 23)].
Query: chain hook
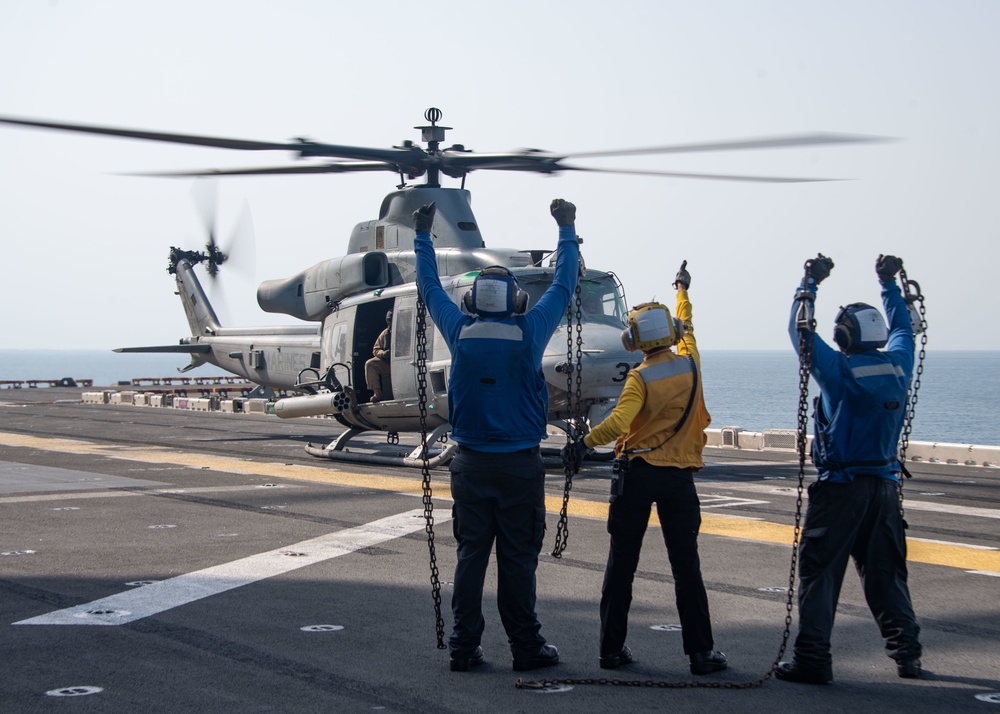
[(805, 317)]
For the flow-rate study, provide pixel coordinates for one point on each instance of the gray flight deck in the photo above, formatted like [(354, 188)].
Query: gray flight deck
[(157, 560)]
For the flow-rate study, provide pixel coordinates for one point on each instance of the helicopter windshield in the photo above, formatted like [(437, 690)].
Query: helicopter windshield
[(601, 300)]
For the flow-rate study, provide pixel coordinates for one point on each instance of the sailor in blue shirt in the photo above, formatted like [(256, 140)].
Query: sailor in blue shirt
[(498, 406), (854, 508)]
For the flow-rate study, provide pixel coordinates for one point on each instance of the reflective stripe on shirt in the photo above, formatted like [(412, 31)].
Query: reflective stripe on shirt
[(877, 370), (481, 330), (663, 370)]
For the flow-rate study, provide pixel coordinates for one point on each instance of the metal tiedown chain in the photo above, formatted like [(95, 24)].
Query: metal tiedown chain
[(573, 400), (425, 467), (807, 325), (911, 395)]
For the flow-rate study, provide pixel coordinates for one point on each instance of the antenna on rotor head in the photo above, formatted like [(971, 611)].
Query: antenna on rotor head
[(432, 134)]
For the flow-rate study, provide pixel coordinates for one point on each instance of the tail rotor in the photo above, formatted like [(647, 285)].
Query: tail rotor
[(239, 251)]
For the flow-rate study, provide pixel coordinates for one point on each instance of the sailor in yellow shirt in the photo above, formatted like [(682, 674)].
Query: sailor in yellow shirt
[(659, 423)]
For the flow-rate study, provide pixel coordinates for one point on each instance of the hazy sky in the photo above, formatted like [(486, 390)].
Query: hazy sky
[(85, 250)]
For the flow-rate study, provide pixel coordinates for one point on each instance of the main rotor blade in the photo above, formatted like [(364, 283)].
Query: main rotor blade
[(526, 160), (312, 169), (303, 147), (217, 142), (773, 142), (716, 177), (537, 162)]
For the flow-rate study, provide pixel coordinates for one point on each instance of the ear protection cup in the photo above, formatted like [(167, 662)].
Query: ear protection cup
[(628, 342), (842, 331), (520, 300), (467, 303), (842, 337), (680, 329)]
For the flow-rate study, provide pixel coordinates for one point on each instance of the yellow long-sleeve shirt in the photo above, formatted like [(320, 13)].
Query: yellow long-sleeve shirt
[(647, 412)]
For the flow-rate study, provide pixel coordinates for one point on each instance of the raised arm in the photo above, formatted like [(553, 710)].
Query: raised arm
[(901, 339), (445, 313), (552, 305)]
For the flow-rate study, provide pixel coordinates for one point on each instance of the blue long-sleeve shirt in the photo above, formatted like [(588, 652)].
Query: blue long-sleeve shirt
[(858, 421), (497, 397)]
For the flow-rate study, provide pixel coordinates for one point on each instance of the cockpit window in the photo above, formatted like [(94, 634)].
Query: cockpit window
[(600, 299)]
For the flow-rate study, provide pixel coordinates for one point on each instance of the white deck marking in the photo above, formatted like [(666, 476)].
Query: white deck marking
[(973, 511), (119, 494), (949, 542), (148, 600), (707, 485), (716, 501)]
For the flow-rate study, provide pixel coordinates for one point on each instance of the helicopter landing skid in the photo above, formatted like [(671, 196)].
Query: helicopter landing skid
[(335, 451)]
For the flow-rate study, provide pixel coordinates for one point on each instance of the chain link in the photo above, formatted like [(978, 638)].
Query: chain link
[(579, 352), (912, 392), (801, 442), (425, 468), (574, 398)]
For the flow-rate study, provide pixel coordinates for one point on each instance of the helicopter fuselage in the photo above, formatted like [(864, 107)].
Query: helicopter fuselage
[(329, 356), (344, 302)]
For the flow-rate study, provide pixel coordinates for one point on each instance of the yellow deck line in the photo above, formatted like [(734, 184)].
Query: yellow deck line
[(948, 555)]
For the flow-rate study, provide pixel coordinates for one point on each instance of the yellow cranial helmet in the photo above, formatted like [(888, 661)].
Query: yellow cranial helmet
[(650, 326)]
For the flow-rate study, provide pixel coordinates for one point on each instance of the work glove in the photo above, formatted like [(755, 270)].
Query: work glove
[(572, 454), (887, 266), (683, 278), (819, 268), (563, 211), (423, 217)]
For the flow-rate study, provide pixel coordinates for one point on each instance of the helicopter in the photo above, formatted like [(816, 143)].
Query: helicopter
[(343, 302)]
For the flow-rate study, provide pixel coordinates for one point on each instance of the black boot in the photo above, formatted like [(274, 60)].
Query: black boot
[(544, 657), (614, 661), (909, 668), (464, 662), (708, 662), (793, 672)]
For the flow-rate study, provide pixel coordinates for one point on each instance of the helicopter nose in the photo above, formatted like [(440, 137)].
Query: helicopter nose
[(603, 363)]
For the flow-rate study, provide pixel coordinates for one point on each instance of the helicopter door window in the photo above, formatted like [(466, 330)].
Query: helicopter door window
[(402, 325), (338, 343)]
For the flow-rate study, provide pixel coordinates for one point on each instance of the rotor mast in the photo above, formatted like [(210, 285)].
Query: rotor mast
[(433, 135)]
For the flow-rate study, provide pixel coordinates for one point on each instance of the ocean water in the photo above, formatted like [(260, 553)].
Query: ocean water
[(958, 401)]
